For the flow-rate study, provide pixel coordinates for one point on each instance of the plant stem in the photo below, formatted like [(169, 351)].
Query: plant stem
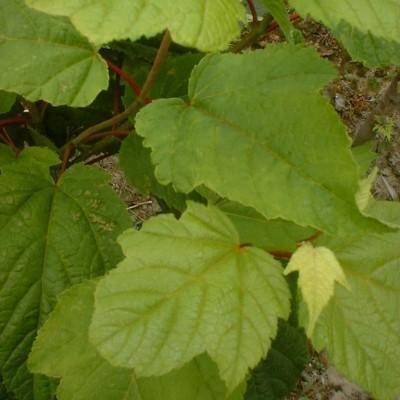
[(13, 121), (253, 11), (124, 75), (140, 100), (252, 36), (117, 133), (66, 155)]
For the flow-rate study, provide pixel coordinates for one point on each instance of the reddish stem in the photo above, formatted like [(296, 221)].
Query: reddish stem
[(7, 139), (124, 75), (13, 121), (253, 11), (117, 133)]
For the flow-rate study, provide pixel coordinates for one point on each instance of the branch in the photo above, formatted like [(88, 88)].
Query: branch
[(13, 121), (116, 133), (139, 102), (253, 35), (65, 159), (124, 75), (387, 97), (253, 11)]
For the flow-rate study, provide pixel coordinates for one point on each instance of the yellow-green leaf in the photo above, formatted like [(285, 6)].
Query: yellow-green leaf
[(318, 270)]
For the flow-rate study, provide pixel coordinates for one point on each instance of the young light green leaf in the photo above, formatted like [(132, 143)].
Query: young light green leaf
[(203, 24), (62, 349), (7, 100), (136, 163), (360, 329), (277, 375), (368, 29), (277, 8), (237, 137), (51, 236), (187, 287), (271, 235), (44, 58), (318, 270)]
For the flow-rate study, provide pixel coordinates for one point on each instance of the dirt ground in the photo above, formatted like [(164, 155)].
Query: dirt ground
[(355, 96)]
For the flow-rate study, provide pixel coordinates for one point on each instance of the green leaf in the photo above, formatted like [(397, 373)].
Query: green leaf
[(277, 8), (45, 58), (62, 349), (271, 235), (7, 100), (387, 212), (368, 29), (172, 80), (318, 270), (360, 328), (277, 375), (187, 287), (205, 25), (250, 129), (7, 156), (136, 163), (364, 156), (51, 236)]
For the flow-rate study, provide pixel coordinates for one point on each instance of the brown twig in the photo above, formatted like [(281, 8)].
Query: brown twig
[(253, 11), (140, 100)]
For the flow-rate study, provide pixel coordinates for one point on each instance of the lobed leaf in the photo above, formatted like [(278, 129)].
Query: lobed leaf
[(51, 237), (318, 270), (255, 123), (62, 349), (360, 328), (186, 287), (203, 24), (368, 29), (44, 58)]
